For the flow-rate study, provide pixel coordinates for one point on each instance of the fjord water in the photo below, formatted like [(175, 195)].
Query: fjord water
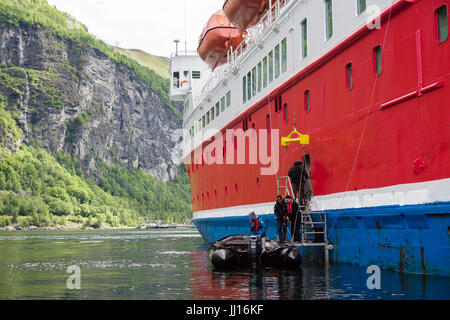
[(172, 264)]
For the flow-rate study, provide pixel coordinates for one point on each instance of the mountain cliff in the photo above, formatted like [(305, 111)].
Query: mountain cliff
[(78, 99), (70, 95)]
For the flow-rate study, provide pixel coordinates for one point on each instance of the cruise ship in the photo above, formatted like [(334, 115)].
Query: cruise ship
[(358, 90)]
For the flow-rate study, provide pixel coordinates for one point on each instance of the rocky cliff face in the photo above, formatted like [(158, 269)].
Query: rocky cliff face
[(74, 98)]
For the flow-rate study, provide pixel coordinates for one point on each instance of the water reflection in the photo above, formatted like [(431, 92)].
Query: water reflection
[(312, 281), (172, 264)]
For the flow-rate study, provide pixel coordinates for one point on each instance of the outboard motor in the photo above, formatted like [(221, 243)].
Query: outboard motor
[(254, 249)]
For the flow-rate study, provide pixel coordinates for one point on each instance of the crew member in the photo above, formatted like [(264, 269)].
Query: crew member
[(299, 176), (294, 217), (257, 225), (280, 211)]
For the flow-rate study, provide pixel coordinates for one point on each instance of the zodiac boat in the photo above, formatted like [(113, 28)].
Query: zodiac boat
[(239, 251)]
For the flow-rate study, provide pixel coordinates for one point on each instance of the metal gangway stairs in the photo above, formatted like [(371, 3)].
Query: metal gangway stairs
[(313, 225)]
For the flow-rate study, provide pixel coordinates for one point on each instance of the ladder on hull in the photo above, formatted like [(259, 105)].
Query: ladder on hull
[(313, 230), (313, 225), (284, 184)]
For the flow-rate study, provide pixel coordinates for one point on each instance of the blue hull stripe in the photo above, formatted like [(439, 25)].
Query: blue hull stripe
[(412, 238)]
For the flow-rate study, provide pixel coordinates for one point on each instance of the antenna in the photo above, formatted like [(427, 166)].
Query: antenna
[(185, 25), (176, 46)]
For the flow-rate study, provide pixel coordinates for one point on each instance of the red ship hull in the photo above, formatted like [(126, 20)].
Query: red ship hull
[(364, 138)]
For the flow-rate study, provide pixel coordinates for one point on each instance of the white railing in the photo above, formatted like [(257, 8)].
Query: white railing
[(253, 36), (184, 53)]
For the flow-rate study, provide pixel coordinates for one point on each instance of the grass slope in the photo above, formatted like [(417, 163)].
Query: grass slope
[(158, 64)]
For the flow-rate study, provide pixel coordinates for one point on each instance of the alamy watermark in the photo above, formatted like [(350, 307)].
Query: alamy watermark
[(373, 17), (215, 148), (74, 281), (374, 280)]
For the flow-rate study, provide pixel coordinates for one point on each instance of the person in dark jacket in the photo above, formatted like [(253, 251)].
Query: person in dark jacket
[(298, 176), (257, 225), (280, 211), (294, 217)]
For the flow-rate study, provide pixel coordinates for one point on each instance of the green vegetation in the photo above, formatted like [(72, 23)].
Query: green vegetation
[(43, 91), (37, 13), (159, 64), (41, 190), (9, 132), (74, 126)]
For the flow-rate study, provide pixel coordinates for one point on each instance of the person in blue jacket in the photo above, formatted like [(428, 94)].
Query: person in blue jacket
[(257, 225)]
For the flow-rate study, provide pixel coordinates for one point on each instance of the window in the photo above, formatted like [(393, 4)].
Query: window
[(176, 80), (270, 66), (244, 89), (195, 74), (259, 76), (254, 81), (244, 127), (360, 6), (217, 109), (349, 75), (278, 105), (277, 61), (203, 121), (377, 60), (284, 55), (211, 112), (228, 98), (192, 131), (285, 113), (249, 86), (222, 104), (442, 23), (328, 19), (265, 72), (307, 101), (304, 28), (207, 118)]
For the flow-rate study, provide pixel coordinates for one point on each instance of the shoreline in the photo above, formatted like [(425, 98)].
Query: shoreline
[(75, 227)]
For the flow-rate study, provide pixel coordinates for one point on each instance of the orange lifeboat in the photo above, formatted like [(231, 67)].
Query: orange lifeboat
[(217, 37), (245, 13)]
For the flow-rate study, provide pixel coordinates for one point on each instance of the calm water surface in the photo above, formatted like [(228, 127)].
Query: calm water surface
[(172, 264)]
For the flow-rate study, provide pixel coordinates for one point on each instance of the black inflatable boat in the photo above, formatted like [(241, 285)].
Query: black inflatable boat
[(251, 251)]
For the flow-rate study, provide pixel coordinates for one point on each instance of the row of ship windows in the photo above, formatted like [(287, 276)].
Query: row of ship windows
[(265, 72), (212, 114), (275, 62), (361, 5)]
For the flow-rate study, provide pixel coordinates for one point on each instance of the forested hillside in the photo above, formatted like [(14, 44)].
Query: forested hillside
[(87, 135)]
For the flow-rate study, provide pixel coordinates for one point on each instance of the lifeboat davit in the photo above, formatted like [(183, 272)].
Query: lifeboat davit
[(217, 37), (245, 13)]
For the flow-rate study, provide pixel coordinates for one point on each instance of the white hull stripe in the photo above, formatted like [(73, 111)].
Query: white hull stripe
[(398, 195)]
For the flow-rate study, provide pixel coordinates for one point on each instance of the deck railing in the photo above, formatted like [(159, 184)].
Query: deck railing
[(234, 55)]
